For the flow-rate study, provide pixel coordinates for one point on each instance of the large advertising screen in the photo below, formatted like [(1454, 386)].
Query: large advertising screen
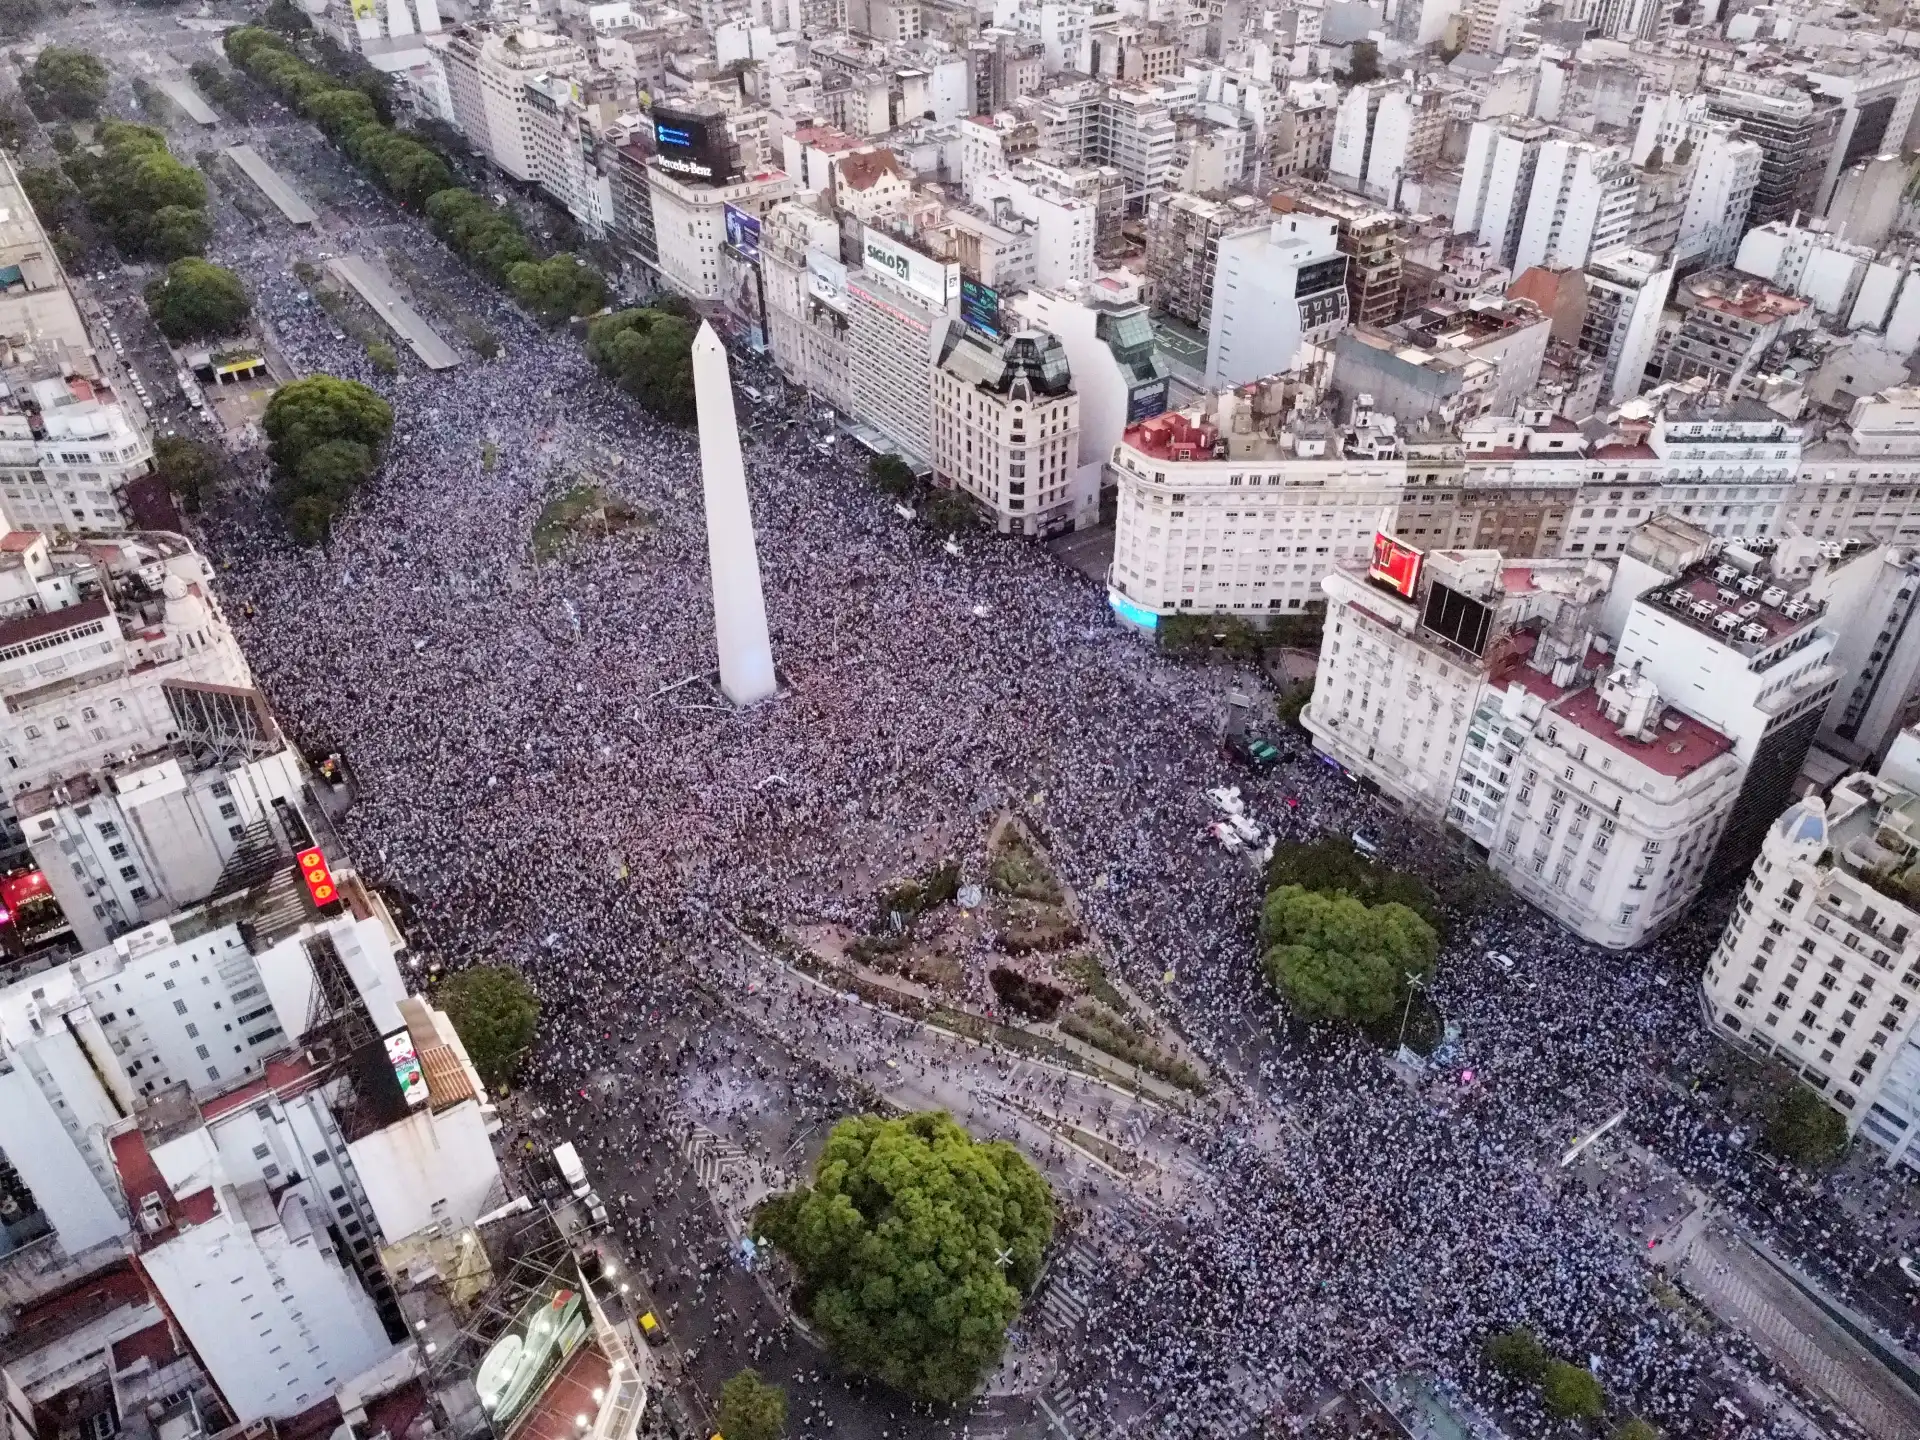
[(741, 295), (693, 147), (522, 1363), (743, 231), (980, 308), (933, 280), (1395, 565), (406, 1067), (827, 280)]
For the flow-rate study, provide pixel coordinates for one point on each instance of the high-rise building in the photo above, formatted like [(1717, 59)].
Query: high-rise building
[(1797, 135), (1368, 235), (1006, 430), (1496, 183), (1626, 292), (899, 301), (1183, 250), (807, 305), (1582, 201), (1729, 321), (1278, 288), (487, 77)]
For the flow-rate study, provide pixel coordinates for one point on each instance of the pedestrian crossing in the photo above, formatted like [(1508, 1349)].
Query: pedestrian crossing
[(716, 1160), (1063, 1303)]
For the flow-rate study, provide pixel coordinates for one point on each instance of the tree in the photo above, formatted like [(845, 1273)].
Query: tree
[(486, 237), (1572, 1392), (495, 1013), (1805, 1129), (948, 512), (893, 476), (1516, 1353), (649, 354), (1337, 958), (188, 468), (198, 300), (150, 202), (63, 82), (306, 414), (751, 1409), (177, 232), (914, 1246), (325, 435), (1333, 864), (558, 288)]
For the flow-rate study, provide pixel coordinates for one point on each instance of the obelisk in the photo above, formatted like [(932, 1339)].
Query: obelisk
[(739, 609)]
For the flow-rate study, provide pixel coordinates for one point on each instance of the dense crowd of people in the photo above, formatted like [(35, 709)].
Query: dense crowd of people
[(532, 773)]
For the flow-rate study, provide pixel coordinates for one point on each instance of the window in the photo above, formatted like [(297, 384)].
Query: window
[(260, 1152), (179, 1007)]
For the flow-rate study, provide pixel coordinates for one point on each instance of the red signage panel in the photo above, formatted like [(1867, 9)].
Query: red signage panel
[(313, 869), (1394, 564)]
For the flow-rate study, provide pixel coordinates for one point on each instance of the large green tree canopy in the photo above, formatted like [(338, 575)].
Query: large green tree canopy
[(325, 435), (900, 1243), (64, 82), (495, 1012), (150, 202), (649, 354), (1338, 958), (197, 300)]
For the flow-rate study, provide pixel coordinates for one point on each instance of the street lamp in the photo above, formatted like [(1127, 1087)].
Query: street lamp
[(1414, 983)]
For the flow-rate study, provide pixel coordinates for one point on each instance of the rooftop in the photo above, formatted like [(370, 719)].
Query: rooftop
[(1750, 612), (1681, 747)]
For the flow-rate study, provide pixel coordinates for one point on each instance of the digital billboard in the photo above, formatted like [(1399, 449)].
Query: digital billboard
[(694, 147), (406, 1067), (980, 308), (516, 1371), (320, 885), (743, 232), (741, 298), (1133, 614), (1395, 565), (1148, 399), (933, 280), (827, 280)]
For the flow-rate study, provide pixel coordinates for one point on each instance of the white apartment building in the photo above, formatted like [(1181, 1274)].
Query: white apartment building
[(1006, 430), (1231, 512), (689, 222), (1723, 171), (560, 146), (86, 678), (1819, 967), (1138, 137), (1063, 227), (899, 301), (1581, 202), (155, 833), (1626, 294), (1496, 184), (1475, 693), (1876, 589), (487, 77), (60, 1095), (1275, 289)]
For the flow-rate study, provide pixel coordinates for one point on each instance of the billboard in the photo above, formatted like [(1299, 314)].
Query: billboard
[(936, 282), (827, 280), (743, 232), (1395, 565), (980, 308), (406, 1067), (320, 886), (741, 297), (693, 147), (517, 1370), (1148, 399)]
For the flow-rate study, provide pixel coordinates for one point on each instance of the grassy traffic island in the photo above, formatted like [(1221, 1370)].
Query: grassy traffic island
[(584, 512), (1004, 957), (913, 1249)]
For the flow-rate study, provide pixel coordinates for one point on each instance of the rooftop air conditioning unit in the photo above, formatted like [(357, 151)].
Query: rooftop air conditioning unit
[(1750, 609), (1725, 574), (1726, 621), (1753, 633), (1750, 584), (1726, 596)]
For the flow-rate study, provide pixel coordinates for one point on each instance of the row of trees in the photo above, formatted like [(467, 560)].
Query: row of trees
[(648, 352), (153, 206), (1569, 1392), (490, 238), (324, 436), (946, 512), (1342, 938)]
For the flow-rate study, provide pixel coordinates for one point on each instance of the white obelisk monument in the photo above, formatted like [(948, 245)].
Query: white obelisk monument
[(739, 609)]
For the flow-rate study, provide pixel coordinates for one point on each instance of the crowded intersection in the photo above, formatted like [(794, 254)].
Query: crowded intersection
[(537, 781)]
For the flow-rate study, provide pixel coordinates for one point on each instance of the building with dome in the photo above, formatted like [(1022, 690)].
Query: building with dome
[(1006, 428), (1819, 968)]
